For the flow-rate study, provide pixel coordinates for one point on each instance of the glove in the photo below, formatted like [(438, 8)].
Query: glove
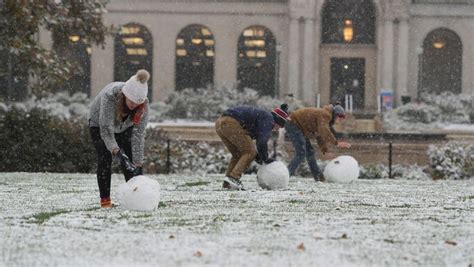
[(269, 160), (126, 164), (139, 171), (258, 160)]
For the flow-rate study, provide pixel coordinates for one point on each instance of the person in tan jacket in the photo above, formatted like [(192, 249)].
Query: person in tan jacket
[(313, 123)]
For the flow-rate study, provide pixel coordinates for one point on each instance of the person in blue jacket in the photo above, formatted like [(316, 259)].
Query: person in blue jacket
[(237, 128)]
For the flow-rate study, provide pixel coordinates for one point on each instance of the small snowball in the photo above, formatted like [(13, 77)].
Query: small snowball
[(342, 169), (273, 176)]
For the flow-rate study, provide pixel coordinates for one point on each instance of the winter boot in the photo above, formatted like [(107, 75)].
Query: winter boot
[(105, 202), (233, 184)]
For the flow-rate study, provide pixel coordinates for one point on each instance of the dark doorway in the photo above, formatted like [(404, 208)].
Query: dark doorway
[(348, 22), (256, 60), (442, 62), (75, 49), (13, 77), (194, 58), (347, 78), (133, 51)]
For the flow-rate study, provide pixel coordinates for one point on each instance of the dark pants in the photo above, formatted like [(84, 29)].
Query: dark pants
[(104, 158), (303, 149)]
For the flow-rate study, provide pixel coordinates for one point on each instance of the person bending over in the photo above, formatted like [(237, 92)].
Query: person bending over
[(117, 120), (313, 123), (237, 128)]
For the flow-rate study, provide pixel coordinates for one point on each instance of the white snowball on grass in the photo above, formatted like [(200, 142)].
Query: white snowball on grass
[(273, 176), (342, 169), (139, 193)]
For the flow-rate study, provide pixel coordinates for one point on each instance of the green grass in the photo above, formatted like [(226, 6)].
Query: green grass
[(147, 215), (123, 216), (219, 218), (198, 183), (41, 217), (405, 205), (73, 191), (295, 201), (177, 222), (92, 209), (466, 198)]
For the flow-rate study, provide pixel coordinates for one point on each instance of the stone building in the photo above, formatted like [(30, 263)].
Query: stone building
[(318, 50)]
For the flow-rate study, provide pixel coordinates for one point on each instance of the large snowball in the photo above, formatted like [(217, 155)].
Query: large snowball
[(342, 169), (273, 176), (139, 193)]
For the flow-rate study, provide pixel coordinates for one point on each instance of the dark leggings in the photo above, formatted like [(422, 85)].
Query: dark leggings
[(104, 158)]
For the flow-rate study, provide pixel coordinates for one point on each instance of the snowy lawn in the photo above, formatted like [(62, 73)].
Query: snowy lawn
[(54, 220)]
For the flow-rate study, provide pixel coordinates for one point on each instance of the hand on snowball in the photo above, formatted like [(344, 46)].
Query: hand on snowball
[(269, 160), (127, 165), (139, 171)]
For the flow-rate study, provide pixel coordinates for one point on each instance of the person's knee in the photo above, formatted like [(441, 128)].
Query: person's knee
[(252, 153), (299, 154)]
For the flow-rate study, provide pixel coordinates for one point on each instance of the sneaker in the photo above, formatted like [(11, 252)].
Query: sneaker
[(233, 184), (105, 202), (321, 178)]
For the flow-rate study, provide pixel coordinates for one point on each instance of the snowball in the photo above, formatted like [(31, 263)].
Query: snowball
[(342, 169), (273, 176), (139, 193)]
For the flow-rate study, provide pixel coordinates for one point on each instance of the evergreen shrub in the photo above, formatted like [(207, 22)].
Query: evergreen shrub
[(207, 103), (452, 161), (35, 141)]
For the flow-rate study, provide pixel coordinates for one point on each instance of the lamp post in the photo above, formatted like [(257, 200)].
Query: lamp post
[(419, 51), (277, 70)]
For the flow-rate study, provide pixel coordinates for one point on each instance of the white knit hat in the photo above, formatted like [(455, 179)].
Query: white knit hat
[(136, 88)]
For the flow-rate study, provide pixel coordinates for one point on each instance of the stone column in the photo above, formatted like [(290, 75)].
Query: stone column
[(308, 61), (317, 42), (102, 66), (387, 67), (402, 60), (225, 64), (293, 58)]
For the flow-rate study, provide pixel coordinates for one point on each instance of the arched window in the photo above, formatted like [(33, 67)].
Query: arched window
[(133, 51), (349, 22), (13, 77), (194, 57), (76, 50), (441, 68), (256, 60)]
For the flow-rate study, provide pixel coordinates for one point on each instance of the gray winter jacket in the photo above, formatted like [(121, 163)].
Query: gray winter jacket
[(102, 114)]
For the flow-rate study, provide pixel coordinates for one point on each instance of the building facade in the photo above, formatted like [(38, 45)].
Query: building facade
[(319, 50)]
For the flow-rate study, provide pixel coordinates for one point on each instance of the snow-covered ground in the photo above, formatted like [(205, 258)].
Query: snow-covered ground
[(54, 220)]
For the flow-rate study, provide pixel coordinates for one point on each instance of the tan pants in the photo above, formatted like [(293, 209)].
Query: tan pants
[(239, 144)]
